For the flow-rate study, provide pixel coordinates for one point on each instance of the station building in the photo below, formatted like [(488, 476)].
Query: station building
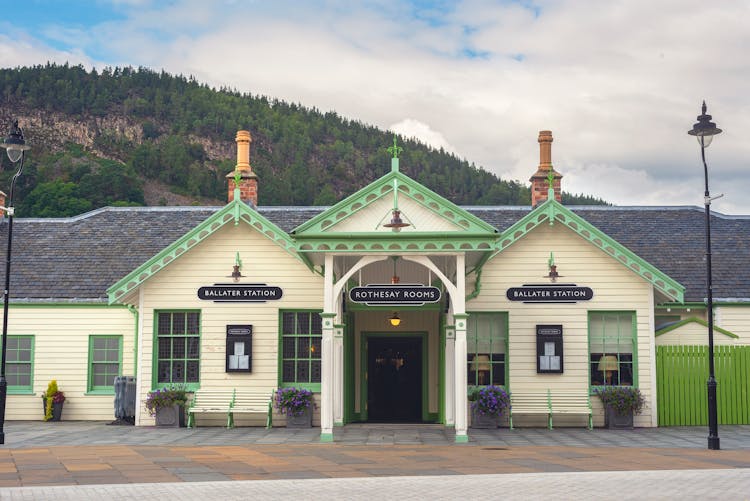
[(390, 305)]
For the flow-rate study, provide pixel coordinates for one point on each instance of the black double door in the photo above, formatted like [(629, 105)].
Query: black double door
[(394, 382)]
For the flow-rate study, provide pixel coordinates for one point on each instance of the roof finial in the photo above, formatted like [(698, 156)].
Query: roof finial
[(551, 178), (395, 150)]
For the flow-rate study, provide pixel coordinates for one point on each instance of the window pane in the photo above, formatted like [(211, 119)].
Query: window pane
[(165, 347), (315, 371), (315, 350), (165, 323), (288, 349), (178, 371), (178, 347), (303, 323), (193, 347), (178, 323), (193, 371), (288, 371), (287, 323), (303, 371), (193, 323), (164, 371), (24, 343), (317, 324), (303, 347)]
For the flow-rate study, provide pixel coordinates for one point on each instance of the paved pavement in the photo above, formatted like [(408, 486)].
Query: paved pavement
[(83, 460)]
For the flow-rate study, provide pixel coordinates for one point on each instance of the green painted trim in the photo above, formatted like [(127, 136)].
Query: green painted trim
[(90, 388), (349, 389), (136, 314), (384, 186), (364, 337), (462, 439), (478, 273), (392, 242), (22, 390), (234, 211), (441, 369), (326, 437), (696, 320), (552, 211), (686, 305), (506, 341), (363, 307), (64, 305), (313, 387), (634, 338), (155, 352), (338, 424)]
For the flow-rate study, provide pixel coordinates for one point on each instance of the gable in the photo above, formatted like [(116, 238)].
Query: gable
[(692, 331), (235, 212), (552, 212), (370, 207)]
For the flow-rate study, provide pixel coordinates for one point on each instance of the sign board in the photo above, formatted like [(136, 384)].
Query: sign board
[(394, 294), (240, 293), (239, 348), (549, 349), (557, 293)]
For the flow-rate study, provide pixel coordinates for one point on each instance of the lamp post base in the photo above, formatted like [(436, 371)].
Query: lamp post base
[(713, 443)]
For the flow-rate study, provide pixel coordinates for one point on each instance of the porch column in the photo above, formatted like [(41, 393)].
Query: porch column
[(338, 374), (460, 316), (327, 355), (450, 378), (460, 379)]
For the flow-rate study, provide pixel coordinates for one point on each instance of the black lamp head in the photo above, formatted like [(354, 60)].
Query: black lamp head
[(704, 130)]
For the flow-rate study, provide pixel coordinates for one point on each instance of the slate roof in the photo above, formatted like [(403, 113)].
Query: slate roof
[(76, 259)]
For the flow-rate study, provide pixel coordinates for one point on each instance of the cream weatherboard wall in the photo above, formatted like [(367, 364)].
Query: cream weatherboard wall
[(176, 286), (736, 319), (696, 333), (615, 289), (61, 351)]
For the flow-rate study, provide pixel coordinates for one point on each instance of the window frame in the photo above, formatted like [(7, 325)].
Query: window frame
[(104, 389), (505, 320), (313, 387), (189, 386), (17, 389), (634, 354)]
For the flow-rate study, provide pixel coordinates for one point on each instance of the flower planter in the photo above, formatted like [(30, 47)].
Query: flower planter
[(172, 416), (302, 421), (612, 420), (484, 421), (57, 408)]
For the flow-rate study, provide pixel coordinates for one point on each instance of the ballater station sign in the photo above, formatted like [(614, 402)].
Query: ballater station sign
[(240, 293), (394, 294), (557, 293)]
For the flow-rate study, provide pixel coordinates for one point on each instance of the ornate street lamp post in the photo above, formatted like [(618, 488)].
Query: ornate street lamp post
[(16, 148), (704, 131)]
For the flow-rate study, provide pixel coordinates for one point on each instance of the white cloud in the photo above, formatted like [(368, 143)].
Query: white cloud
[(619, 83), (411, 128)]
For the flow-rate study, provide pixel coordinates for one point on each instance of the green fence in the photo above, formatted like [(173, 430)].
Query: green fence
[(681, 394)]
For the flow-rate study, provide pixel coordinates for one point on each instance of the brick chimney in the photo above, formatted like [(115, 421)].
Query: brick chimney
[(539, 181), (249, 180)]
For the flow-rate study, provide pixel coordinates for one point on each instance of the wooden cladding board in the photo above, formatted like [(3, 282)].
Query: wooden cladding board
[(615, 287)]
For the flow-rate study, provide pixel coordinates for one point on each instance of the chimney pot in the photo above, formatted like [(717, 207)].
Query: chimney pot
[(248, 179), (539, 181)]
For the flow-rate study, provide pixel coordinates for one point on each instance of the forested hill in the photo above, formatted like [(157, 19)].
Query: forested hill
[(128, 136)]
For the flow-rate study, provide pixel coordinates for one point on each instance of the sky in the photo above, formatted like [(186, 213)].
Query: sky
[(618, 82)]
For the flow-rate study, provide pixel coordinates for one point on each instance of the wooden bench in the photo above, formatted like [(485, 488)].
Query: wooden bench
[(545, 402), (229, 402)]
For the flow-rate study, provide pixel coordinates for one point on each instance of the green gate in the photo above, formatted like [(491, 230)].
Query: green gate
[(681, 375)]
